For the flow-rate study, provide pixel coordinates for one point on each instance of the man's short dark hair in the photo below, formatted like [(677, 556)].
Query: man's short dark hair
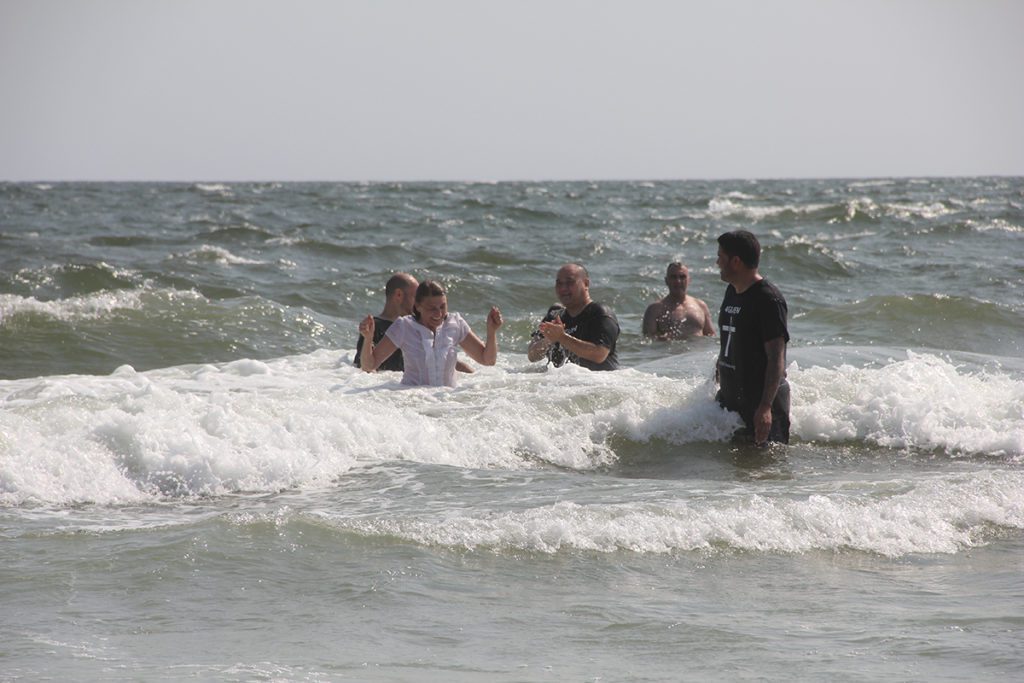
[(743, 244), (396, 282), (582, 268)]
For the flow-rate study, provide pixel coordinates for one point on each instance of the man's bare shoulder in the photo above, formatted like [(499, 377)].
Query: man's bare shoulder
[(699, 303), (657, 308)]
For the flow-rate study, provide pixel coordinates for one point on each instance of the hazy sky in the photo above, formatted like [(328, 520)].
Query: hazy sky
[(525, 89)]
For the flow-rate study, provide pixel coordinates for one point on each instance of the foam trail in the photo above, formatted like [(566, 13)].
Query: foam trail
[(218, 255), (91, 306), (303, 421), (924, 402), (941, 515)]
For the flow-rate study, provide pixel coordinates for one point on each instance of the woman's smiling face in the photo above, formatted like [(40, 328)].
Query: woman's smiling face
[(433, 310)]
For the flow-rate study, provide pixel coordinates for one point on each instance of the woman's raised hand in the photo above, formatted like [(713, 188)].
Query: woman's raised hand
[(367, 327), (494, 320)]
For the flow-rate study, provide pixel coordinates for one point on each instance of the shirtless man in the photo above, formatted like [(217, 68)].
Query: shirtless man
[(678, 315)]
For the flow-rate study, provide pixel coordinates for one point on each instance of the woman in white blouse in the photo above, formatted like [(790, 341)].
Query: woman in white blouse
[(429, 340)]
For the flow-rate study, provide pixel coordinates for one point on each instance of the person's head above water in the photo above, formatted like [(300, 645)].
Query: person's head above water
[(743, 245), (739, 254), (399, 295), (431, 307), (572, 286), (677, 279)]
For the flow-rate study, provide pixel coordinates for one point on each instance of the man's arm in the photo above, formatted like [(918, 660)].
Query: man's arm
[(776, 351), (538, 349), (539, 346), (554, 332), (584, 349), (709, 326), (650, 328)]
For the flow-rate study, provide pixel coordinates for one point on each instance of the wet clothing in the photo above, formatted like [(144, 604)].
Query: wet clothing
[(745, 322), (394, 361), (554, 353), (596, 324), (429, 357)]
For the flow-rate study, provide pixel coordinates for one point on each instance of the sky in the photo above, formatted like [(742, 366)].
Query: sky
[(366, 90)]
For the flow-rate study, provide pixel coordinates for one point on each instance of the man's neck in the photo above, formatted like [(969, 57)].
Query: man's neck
[(576, 311), (674, 299), (390, 313), (745, 281)]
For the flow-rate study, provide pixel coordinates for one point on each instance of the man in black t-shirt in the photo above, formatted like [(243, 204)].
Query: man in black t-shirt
[(580, 331), (399, 296), (751, 367)]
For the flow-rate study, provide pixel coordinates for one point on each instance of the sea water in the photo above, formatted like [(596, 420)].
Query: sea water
[(196, 484)]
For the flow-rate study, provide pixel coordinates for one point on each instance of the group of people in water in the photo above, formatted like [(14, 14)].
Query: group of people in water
[(417, 335)]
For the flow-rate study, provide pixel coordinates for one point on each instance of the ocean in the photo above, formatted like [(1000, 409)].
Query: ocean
[(196, 483)]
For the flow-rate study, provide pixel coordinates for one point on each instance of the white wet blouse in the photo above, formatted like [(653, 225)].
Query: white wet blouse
[(429, 357)]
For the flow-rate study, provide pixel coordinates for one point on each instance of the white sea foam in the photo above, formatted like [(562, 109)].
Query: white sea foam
[(817, 245), (731, 205), (725, 206), (214, 188), (939, 515), (923, 402), (872, 183), (262, 426), (917, 210), (48, 274), (218, 255), (998, 224), (304, 421), (90, 306), (78, 307), (285, 240), (819, 239)]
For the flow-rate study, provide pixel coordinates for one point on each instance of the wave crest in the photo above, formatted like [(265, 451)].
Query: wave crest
[(942, 516)]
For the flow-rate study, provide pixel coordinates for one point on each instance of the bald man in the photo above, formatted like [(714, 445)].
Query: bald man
[(580, 331), (399, 296)]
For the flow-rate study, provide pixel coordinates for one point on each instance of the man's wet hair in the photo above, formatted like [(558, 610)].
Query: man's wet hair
[(743, 244)]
